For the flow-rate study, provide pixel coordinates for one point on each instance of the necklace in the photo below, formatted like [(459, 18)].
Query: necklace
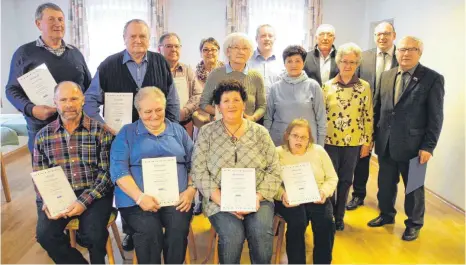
[(233, 138)]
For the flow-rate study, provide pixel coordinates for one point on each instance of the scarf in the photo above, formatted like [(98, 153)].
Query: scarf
[(201, 71)]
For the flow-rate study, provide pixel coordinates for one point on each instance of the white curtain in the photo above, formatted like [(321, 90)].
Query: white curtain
[(287, 17), (106, 21)]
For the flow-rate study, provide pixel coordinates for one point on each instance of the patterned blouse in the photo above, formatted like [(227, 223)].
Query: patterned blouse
[(214, 150), (349, 112)]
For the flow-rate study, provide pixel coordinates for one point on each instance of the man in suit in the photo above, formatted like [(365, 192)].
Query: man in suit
[(408, 115), (374, 62), (320, 62)]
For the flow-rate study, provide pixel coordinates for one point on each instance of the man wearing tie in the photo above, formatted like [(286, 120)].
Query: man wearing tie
[(408, 114), (374, 62)]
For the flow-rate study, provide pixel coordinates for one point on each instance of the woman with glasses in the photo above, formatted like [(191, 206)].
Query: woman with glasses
[(298, 147), (295, 95), (348, 102), (238, 48)]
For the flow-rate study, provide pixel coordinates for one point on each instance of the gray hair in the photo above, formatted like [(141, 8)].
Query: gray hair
[(44, 6), (149, 91), (168, 35), (418, 41), (235, 37), (138, 21), (348, 48), (263, 26), (325, 28)]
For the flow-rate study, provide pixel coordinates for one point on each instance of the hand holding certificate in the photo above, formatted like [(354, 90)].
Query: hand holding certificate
[(238, 193), (300, 184), (160, 178), (118, 109), (55, 189), (39, 85)]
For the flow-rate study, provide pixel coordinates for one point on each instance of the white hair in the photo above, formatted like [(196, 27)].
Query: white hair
[(149, 91), (236, 37), (348, 48), (418, 41), (325, 28)]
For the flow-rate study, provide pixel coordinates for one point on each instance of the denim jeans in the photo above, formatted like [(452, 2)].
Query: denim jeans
[(323, 229), (256, 228), (149, 239), (92, 228)]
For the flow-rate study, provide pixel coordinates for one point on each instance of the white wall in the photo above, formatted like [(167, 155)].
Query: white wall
[(440, 24), (18, 28), (195, 20)]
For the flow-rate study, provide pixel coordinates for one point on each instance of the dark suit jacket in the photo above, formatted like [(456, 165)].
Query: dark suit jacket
[(368, 67), (312, 65), (415, 122)]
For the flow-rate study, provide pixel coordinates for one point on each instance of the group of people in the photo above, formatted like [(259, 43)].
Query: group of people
[(325, 107)]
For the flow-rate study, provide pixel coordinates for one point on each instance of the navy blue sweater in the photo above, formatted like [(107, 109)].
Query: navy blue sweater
[(70, 66)]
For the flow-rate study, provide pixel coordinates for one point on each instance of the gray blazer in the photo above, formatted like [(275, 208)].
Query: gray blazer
[(367, 69), (415, 122)]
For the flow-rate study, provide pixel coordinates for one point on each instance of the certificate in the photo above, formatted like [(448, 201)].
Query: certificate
[(238, 193), (300, 183), (39, 85), (54, 188), (181, 85), (118, 109), (160, 178)]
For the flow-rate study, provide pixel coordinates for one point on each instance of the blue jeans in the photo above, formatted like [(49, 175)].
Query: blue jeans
[(92, 228), (256, 227), (149, 239)]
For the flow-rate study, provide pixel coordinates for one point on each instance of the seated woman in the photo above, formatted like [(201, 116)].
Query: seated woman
[(295, 96), (298, 147), (235, 142), (238, 48), (153, 136)]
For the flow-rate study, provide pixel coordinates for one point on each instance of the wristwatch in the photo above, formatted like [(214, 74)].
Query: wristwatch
[(191, 185)]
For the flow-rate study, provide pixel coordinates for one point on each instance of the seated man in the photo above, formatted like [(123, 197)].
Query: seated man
[(81, 146)]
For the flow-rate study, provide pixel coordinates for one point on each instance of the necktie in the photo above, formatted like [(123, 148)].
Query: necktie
[(400, 85), (380, 68)]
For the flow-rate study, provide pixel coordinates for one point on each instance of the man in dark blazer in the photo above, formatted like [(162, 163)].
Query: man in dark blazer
[(408, 115), (374, 62), (320, 62)]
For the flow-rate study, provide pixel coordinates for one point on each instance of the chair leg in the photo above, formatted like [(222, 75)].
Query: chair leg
[(187, 257), (109, 248), (135, 258), (211, 240), (192, 241), (116, 235), (72, 238), (281, 235), (216, 259), (6, 186)]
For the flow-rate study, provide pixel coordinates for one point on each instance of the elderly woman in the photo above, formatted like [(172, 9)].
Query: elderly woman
[(238, 49), (236, 142), (298, 147), (295, 95), (153, 136), (348, 101)]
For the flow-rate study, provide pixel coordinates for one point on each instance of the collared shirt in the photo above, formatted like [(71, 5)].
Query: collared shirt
[(138, 71), (270, 68), (189, 89), (325, 65), (84, 157), (406, 75), (349, 112), (230, 70), (58, 52), (388, 58), (134, 143), (215, 150)]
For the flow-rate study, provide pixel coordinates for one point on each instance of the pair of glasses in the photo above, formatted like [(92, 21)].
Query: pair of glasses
[(172, 46), (297, 137), (209, 50), (237, 48), (412, 49), (352, 63), (385, 34)]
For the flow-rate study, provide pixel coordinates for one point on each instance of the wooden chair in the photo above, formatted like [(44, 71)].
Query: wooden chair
[(278, 228), (73, 225), (5, 185), (187, 257), (213, 240)]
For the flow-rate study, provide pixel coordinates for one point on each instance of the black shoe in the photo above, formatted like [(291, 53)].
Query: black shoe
[(380, 221), (339, 225), (354, 203), (128, 244), (410, 234)]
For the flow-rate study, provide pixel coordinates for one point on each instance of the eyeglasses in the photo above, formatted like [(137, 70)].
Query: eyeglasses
[(209, 50), (237, 48), (172, 46), (297, 137), (385, 34), (352, 63), (411, 49)]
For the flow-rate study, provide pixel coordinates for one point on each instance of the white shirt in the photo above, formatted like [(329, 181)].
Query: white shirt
[(325, 65), (388, 58)]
